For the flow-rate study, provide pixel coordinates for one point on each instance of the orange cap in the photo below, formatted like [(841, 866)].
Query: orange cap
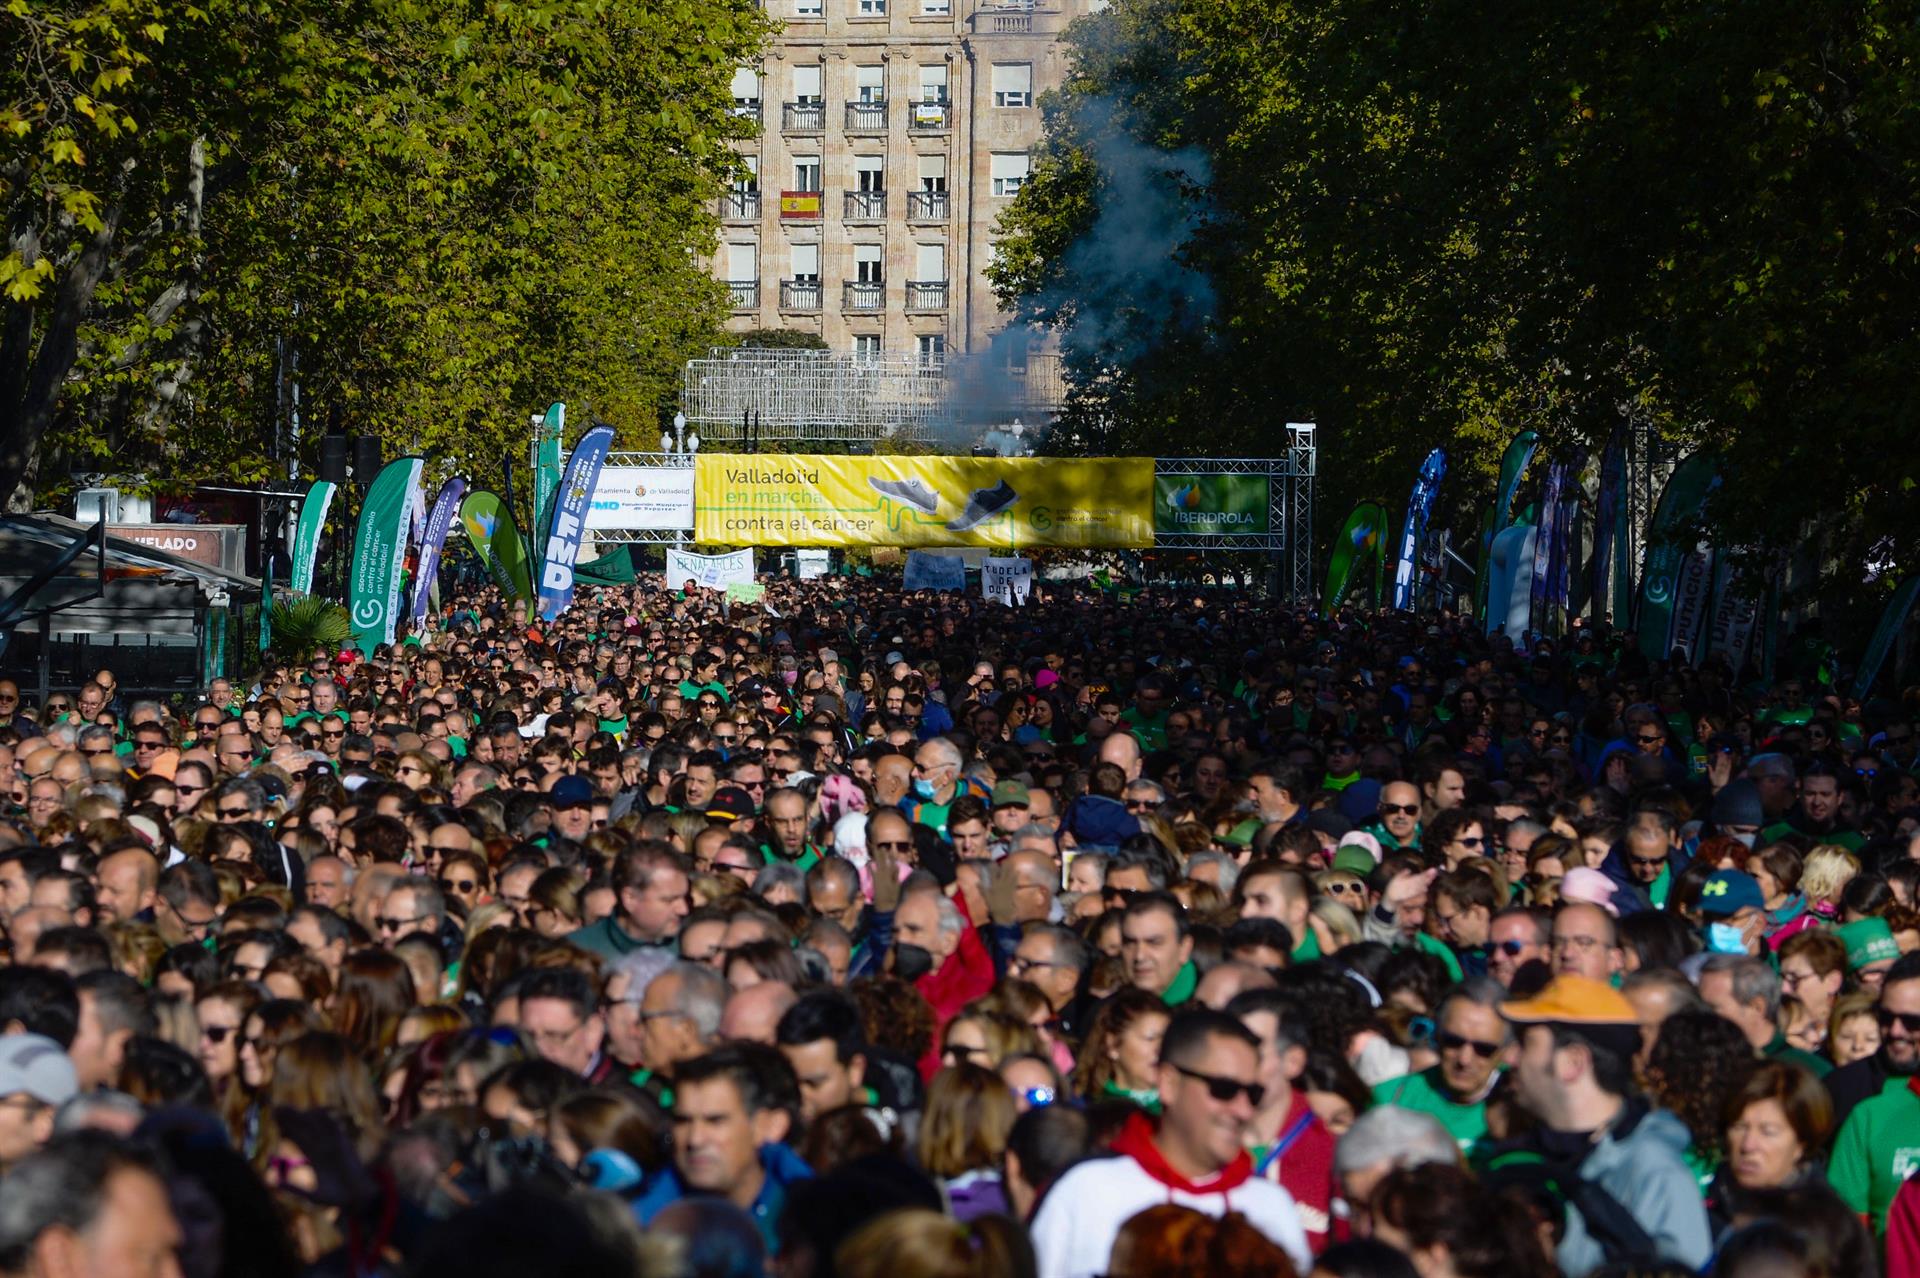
[(1573, 1000)]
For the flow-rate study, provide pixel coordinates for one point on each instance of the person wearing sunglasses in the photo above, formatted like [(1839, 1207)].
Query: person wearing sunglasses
[(1194, 1155), (1475, 1044), (1399, 823)]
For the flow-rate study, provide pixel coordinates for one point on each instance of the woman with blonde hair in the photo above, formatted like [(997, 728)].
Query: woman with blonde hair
[(417, 770), (1828, 870)]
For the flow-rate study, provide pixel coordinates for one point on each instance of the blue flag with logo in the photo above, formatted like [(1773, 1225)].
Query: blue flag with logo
[(575, 494), (1419, 507), (433, 540)]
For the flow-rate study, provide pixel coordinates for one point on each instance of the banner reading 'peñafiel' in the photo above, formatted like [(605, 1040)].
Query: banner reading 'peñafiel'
[(783, 499)]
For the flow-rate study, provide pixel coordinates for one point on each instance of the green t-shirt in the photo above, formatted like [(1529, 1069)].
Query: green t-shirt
[(1877, 1150), (1467, 1124)]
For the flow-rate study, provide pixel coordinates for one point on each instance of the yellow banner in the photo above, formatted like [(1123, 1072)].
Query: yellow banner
[(783, 499)]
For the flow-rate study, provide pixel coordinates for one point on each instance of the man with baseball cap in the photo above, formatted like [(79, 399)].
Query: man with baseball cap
[(36, 1078), (1615, 1161)]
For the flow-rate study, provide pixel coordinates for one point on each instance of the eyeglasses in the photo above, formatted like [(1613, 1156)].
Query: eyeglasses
[(1648, 860), (1225, 1089), (458, 885), (218, 1034), (1650, 738), (961, 1052), (1343, 889), (1450, 1042), (95, 753), (1476, 841), (905, 845), (1399, 809), (1888, 1018), (1018, 965), (235, 812), (1141, 805), (394, 925), (1512, 949)]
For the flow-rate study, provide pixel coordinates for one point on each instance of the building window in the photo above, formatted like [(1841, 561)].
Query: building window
[(1010, 169), (808, 9), (746, 91), (936, 8), (866, 348), (870, 84), (806, 263), (806, 173), (933, 173), (806, 85), (743, 263), (866, 264), (933, 83), (1013, 84), (871, 8), (930, 350), (869, 173), (929, 262)]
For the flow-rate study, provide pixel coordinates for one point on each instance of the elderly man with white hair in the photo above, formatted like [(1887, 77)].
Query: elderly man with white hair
[(1383, 1140)]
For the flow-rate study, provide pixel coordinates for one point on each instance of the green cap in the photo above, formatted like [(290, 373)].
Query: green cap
[(1868, 940), (1354, 859), (1241, 835), (1011, 794)]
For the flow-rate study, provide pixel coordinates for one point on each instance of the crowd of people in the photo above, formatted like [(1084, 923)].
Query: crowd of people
[(882, 935)]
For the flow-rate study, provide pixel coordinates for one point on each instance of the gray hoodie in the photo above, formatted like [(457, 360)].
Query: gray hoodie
[(1642, 1165)]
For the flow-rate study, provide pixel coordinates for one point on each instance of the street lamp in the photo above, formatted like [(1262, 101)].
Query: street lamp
[(680, 441)]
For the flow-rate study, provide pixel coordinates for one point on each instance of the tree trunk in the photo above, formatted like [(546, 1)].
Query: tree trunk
[(27, 414)]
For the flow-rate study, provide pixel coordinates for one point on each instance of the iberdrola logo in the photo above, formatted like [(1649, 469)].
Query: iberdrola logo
[(1365, 536), (481, 526), (1186, 497)]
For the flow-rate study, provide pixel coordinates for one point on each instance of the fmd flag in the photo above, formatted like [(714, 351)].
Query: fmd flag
[(570, 504)]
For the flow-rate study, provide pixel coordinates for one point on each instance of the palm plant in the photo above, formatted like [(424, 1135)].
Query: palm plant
[(306, 625)]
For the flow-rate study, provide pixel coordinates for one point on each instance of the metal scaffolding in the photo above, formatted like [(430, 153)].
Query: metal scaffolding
[(738, 395), (1289, 535)]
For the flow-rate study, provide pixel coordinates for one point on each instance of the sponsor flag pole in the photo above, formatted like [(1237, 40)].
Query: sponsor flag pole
[(380, 552)]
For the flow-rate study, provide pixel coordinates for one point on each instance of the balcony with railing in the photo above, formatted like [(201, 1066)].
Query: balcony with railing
[(926, 295), (740, 206), (927, 206), (866, 206), (930, 116), (864, 295), (799, 295), (803, 117), (867, 117), (743, 295), (747, 109)]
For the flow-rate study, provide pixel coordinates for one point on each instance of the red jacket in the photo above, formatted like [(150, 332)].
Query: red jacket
[(965, 974), (1903, 1231), (1303, 1166)]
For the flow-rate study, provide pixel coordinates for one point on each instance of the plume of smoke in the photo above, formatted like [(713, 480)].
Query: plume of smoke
[(1127, 282)]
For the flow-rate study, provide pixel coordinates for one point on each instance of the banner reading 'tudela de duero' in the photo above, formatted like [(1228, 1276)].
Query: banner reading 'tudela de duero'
[(783, 499)]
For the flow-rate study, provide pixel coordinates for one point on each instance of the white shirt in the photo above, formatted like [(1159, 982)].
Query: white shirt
[(1082, 1214)]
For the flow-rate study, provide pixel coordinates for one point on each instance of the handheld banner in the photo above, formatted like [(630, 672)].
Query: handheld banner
[(306, 534), (570, 501), (496, 539), (1406, 568), (380, 551), (1357, 554), (784, 499), (1007, 581), (709, 572), (1680, 502), (934, 572), (433, 541)]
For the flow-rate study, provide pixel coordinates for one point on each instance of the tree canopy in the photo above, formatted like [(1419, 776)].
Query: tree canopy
[(1435, 226), (431, 218)]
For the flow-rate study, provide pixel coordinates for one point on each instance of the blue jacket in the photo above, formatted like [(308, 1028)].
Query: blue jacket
[(783, 1169)]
